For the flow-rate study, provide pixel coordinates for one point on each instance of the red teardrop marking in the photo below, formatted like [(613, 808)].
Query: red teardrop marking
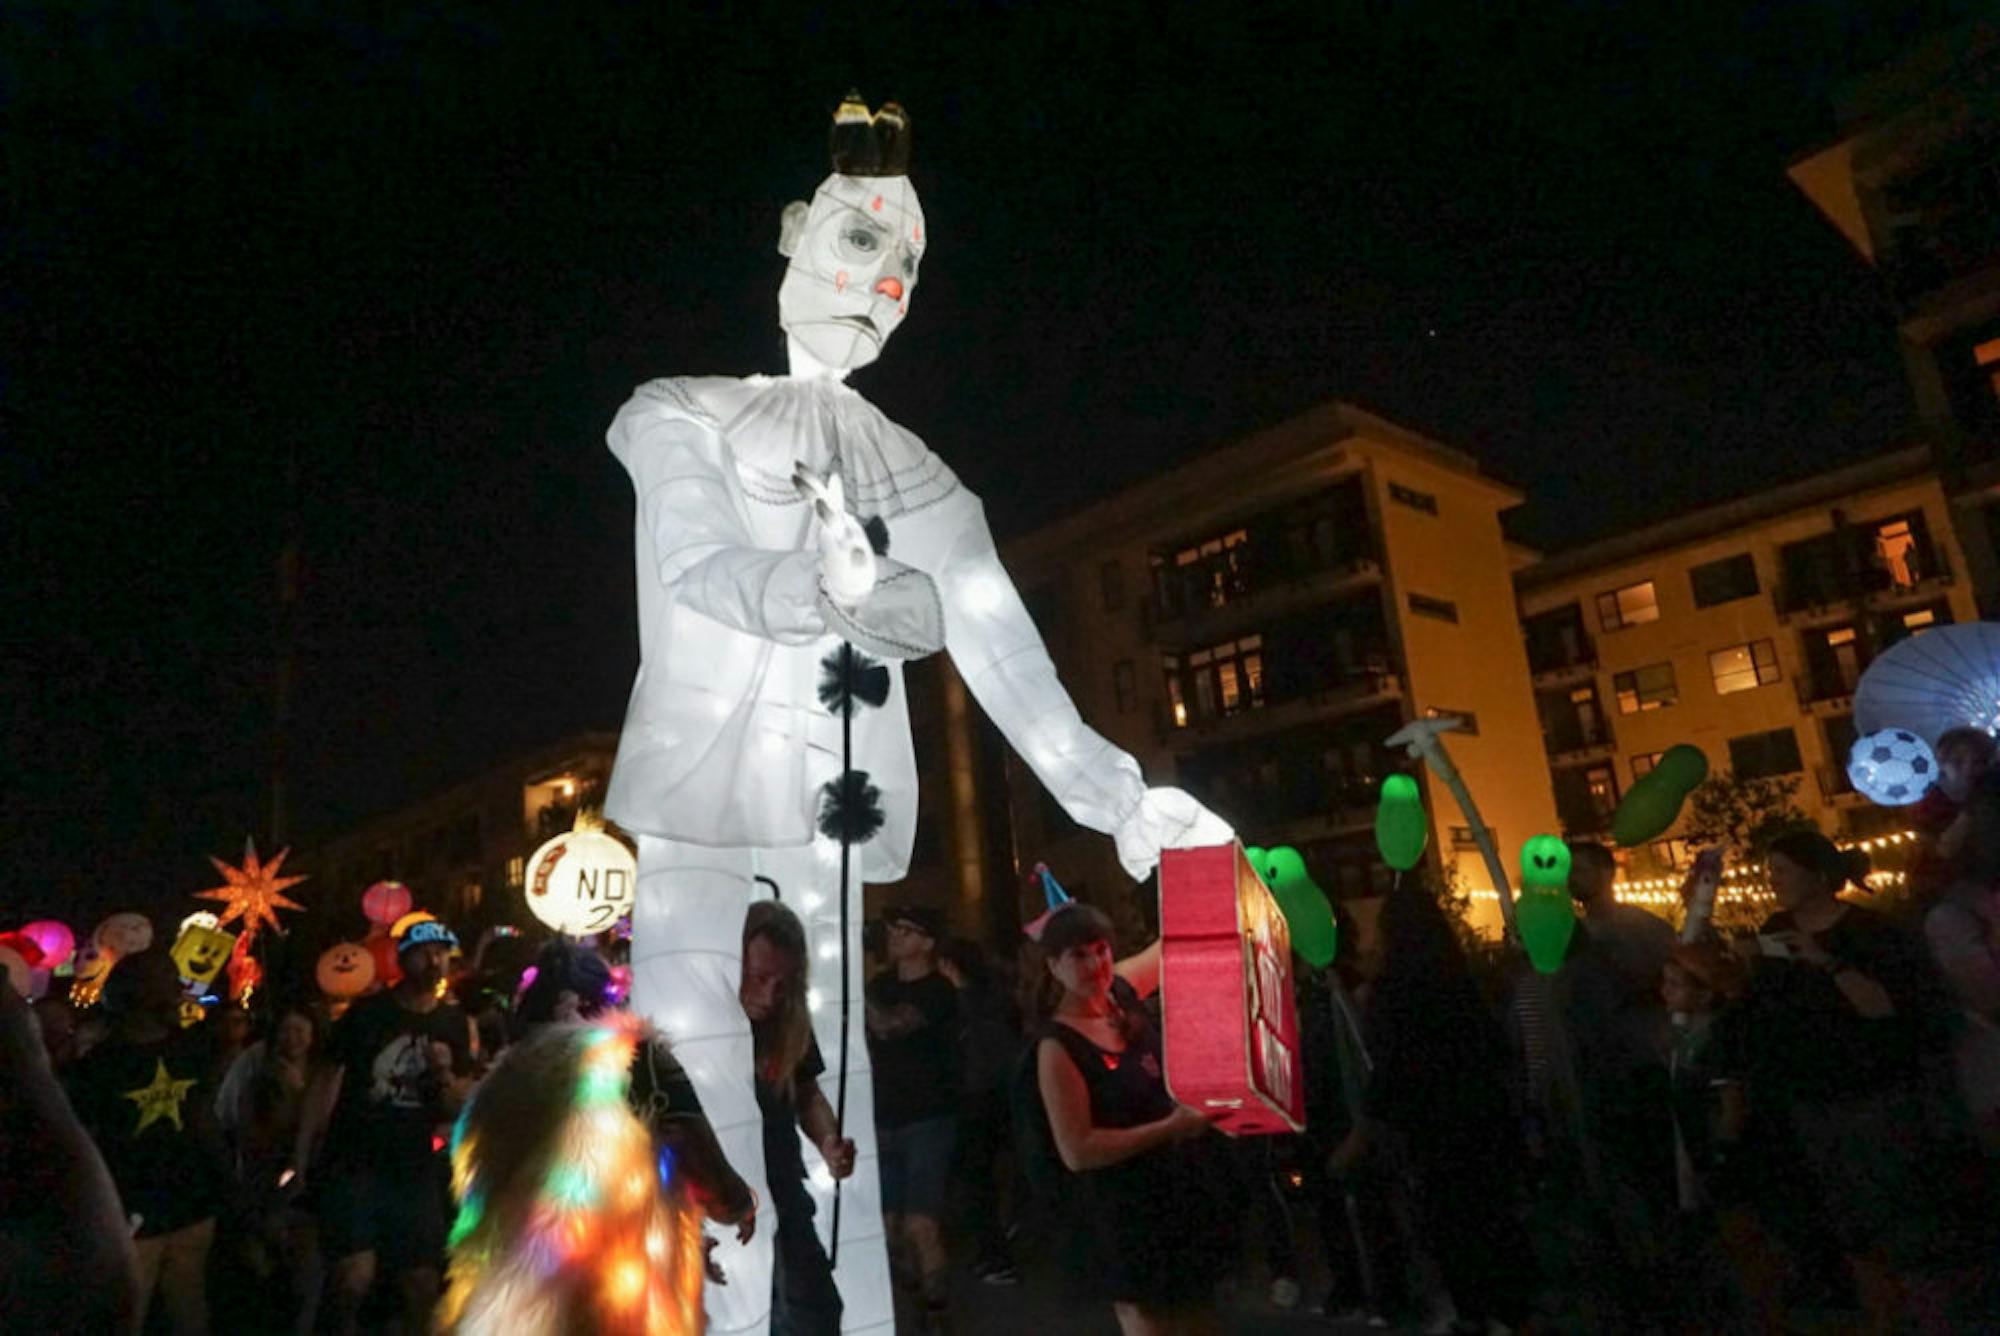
[(840, 281), (877, 204), (918, 233), (903, 309)]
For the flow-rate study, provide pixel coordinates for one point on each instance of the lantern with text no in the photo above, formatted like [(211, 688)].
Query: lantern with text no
[(1232, 1028)]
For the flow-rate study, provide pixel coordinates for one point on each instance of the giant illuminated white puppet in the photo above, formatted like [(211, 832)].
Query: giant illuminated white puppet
[(779, 519)]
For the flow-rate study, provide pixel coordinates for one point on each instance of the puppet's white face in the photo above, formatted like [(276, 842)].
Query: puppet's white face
[(855, 251)]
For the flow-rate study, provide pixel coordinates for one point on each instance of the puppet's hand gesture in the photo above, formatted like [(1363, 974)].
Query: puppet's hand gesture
[(847, 559)]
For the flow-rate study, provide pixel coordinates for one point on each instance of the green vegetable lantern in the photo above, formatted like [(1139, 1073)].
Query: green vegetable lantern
[(1545, 912), (1654, 801), (1308, 914), (1401, 828)]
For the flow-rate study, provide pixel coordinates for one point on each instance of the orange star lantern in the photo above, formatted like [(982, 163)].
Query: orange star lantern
[(252, 892)]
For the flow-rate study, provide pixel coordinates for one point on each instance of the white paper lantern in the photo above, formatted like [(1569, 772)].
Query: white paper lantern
[(581, 882), (1893, 767)]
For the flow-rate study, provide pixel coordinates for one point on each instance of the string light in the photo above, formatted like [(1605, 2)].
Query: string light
[(1745, 885)]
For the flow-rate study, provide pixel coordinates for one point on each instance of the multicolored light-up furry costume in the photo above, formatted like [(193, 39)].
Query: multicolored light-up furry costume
[(571, 1219)]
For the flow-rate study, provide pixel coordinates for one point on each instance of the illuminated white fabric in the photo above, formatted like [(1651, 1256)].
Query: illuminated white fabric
[(726, 744)]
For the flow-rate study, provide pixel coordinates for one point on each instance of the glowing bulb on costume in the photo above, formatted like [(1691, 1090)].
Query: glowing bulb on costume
[(581, 882)]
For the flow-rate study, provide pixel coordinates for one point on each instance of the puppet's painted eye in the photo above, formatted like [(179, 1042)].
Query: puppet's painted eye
[(861, 239)]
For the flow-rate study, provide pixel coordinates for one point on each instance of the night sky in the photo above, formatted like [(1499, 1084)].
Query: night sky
[(427, 256)]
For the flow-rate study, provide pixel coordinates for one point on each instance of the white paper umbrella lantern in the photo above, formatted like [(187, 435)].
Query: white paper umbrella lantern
[(1893, 767), (581, 882), (1946, 677)]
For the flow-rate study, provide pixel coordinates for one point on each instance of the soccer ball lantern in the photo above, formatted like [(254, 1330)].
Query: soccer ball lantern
[(1893, 767)]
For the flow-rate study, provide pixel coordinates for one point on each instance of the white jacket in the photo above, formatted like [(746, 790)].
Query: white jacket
[(725, 742)]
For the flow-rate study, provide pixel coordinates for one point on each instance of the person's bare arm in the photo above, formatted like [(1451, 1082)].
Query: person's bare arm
[(816, 1120), (66, 1256), (1142, 970), (1081, 1143)]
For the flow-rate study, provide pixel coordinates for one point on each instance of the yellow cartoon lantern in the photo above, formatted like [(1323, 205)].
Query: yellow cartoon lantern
[(200, 952)]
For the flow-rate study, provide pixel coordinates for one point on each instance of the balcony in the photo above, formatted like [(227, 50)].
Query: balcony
[(1209, 599), (1571, 742), (1831, 595), (1827, 696), (1565, 666), (1259, 715)]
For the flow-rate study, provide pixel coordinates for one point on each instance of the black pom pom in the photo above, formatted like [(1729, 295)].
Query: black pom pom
[(847, 675), (878, 534), (850, 808)]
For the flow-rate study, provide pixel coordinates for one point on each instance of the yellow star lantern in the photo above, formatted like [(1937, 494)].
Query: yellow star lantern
[(252, 892), (161, 1099)]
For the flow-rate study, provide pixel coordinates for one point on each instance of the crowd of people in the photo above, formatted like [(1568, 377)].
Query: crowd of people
[(1675, 1132)]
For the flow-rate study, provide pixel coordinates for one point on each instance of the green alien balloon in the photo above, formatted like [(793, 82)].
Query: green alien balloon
[(1308, 913), (1401, 828), (1545, 912)]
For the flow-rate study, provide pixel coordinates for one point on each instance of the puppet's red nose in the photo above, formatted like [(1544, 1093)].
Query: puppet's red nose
[(892, 288)]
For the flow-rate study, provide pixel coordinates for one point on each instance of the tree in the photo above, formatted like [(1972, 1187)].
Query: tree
[(1743, 815)]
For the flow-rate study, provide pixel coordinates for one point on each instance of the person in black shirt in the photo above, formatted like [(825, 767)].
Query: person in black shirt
[(1841, 1029), (145, 1096), (913, 1044), (1152, 1237), (804, 1300), (401, 1067)]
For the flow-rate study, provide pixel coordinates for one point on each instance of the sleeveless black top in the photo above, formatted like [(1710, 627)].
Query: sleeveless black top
[(1150, 1231)]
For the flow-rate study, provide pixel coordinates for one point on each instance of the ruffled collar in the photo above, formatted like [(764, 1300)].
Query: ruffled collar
[(772, 422)]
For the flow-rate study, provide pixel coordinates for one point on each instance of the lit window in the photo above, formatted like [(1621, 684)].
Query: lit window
[(1631, 606), (1840, 635), (517, 871), (1921, 618), (1603, 786), (1743, 667), (1649, 688), (1642, 764)]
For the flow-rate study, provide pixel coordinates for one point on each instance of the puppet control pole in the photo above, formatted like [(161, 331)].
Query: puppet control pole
[(1419, 739), (846, 986)]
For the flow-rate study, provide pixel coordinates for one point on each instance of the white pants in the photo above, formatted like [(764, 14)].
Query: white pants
[(687, 946)]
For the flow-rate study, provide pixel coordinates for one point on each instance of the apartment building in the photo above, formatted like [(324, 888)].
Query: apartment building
[(463, 850), (1252, 626), (1912, 181), (1741, 629)]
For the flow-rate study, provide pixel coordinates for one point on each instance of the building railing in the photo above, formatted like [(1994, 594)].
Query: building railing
[(1823, 692), (1241, 573), (1571, 738), (1353, 691), (1562, 661), (1923, 568)]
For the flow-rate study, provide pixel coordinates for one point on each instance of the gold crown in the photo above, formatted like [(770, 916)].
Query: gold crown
[(870, 143)]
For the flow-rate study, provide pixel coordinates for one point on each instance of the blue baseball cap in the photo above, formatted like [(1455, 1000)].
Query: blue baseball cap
[(427, 932)]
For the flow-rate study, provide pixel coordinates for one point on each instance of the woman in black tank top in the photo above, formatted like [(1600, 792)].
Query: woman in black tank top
[(1155, 1241)]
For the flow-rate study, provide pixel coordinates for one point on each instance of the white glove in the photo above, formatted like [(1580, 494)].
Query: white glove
[(846, 557), (1166, 819)]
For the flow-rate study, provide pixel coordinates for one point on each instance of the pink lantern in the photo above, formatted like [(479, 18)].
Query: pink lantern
[(1232, 1026), (385, 902), (55, 939)]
